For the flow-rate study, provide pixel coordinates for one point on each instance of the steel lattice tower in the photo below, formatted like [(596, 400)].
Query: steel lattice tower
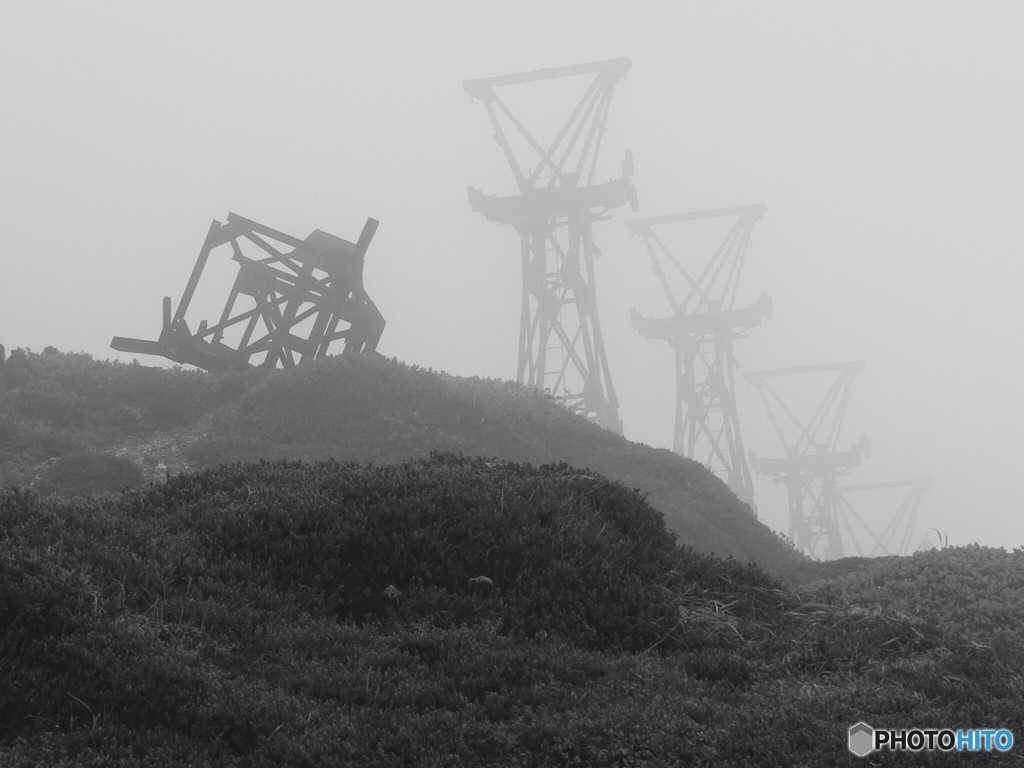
[(812, 460), (895, 539), (560, 344), (701, 331)]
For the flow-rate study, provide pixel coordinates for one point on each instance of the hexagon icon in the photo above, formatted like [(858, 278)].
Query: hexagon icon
[(861, 739)]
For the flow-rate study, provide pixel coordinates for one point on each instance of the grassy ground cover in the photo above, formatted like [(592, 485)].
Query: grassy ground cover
[(447, 611)]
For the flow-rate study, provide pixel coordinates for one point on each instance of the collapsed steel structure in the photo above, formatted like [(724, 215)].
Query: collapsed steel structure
[(560, 344), (812, 460), (704, 324), (291, 300)]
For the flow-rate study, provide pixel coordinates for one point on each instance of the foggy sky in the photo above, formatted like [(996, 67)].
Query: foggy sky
[(884, 138)]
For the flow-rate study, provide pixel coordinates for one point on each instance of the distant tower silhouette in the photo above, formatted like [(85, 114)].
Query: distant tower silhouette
[(812, 460), (701, 331), (895, 538), (560, 344)]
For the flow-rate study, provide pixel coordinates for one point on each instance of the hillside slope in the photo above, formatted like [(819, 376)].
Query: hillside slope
[(67, 408)]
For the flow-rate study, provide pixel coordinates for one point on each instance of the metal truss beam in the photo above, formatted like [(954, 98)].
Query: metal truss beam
[(561, 348), (812, 460), (701, 331), (290, 301)]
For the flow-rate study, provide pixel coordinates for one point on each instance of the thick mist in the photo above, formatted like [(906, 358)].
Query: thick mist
[(885, 141)]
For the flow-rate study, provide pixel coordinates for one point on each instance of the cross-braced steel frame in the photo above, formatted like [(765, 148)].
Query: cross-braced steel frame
[(812, 460), (701, 331), (291, 300), (895, 539), (561, 349)]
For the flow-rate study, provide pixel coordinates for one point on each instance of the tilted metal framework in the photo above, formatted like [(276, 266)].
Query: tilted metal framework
[(288, 304), (701, 332), (812, 460), (560, 344), (895, 539)]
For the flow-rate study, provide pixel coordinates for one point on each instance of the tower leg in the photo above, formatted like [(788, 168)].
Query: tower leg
[(561, 347)]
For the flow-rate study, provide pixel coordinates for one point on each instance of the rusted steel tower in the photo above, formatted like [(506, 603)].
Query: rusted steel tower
[(561, 348), (812, 460), (290, 301), (704, 324), (895, 539)]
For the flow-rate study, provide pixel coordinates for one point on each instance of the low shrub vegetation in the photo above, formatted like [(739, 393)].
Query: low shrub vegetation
[(444, 611), (86, 474), (65, 402), (975, 593)]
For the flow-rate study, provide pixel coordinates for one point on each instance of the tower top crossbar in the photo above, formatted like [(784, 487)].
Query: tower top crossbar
[(818, 435), (568, 159), (483, 88)]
